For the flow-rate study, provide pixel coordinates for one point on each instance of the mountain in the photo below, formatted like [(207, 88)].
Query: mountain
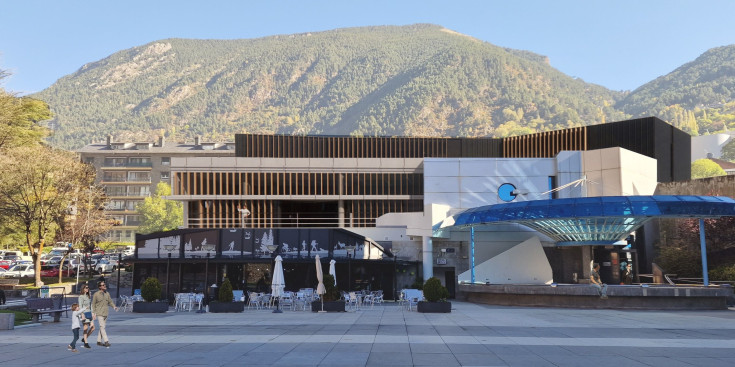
[(417, 80), (698, 97)]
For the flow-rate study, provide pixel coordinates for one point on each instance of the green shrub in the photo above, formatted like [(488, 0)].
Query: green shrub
[(434, 291), (151, 289), (332, 293), (685, 263), (723, 273), (225, 291)]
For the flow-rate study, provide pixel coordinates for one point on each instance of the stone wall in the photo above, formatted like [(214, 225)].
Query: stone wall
[(712, 186)]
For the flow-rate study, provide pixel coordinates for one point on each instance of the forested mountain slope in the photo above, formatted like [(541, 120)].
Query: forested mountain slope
[(698, 97), (418, 80)]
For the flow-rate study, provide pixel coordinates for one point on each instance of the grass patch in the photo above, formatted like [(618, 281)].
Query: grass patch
[(21, 317)]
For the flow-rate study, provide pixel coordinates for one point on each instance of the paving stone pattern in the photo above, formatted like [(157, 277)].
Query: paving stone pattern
[(472, 335)]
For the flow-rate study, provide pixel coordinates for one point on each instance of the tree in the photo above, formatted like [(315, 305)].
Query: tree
[(702, 168), (86, 220), (37, 188), (728, 151), (19, 117), (158, 214)]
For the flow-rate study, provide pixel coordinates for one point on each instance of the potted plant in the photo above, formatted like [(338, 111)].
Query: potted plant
[(224, 302), (332, 303), (151, 293), (436, 298)]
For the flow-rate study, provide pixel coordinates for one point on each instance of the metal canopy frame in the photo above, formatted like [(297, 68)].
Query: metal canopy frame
[(602, 220)]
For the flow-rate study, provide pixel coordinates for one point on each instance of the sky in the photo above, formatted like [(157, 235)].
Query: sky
[(619, 44)]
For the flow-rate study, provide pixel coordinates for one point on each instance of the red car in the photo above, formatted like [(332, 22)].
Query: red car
[(51, 271), (6, 264)]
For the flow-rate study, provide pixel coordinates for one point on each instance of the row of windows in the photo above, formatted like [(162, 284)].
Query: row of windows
[(125, 220), (129, 205), (121, 176), (297, 183), (130, 161)]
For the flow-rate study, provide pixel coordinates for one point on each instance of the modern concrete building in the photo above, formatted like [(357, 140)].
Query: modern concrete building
[(130, 171), (709, 146), (395, 191)]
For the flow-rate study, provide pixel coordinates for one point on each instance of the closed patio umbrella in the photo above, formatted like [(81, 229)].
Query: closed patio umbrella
[(332, 271), (320, 289), (278, 283)]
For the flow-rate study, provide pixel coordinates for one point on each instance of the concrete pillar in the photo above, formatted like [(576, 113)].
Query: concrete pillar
[(341, 203), (428, 250)]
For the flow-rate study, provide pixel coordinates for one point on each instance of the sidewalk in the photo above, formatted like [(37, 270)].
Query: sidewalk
[(477, 335)]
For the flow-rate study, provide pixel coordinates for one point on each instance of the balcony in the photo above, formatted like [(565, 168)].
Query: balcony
[(126, 179), (107, 164)]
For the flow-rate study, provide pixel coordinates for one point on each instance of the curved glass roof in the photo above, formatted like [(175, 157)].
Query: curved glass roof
[(594, 220)]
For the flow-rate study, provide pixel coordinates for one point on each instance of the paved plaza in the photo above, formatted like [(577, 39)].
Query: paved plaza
[(472, 335)]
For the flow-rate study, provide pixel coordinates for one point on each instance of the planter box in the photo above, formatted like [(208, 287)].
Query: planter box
[(150, 307), (434, 307), (223, 307), (7, 321), (331, 306)]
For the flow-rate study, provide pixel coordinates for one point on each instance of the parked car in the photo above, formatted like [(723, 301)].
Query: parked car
[(6, 264), (105, 266), (53, 271), (53, 260), (20, 271)]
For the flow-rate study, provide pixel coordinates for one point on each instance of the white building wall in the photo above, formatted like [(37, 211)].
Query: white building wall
[(464, 183), (709, 144)]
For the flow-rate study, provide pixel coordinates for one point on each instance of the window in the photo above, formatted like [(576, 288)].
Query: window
[(116, 205), (114, 177), (132, 204), (115, 161), (139, 176), (165, 161), (140, 162), (116, 190), (89, 160), (132, 220), (139, 191), (165, 176), (117, 220)]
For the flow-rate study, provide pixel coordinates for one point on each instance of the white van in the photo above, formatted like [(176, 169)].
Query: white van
[(21, 254), (61, 251)]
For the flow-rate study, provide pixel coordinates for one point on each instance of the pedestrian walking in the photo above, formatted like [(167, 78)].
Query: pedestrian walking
[(76, 315), (85, 305), (101, 301)]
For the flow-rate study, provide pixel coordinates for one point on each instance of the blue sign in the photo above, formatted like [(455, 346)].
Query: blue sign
[(505, 192)]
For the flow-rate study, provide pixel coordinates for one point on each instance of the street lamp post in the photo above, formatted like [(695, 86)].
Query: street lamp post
[(395, 252), (169, 248), (349, 265)]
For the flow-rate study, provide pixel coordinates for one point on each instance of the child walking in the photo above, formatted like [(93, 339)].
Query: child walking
[(75, 317)]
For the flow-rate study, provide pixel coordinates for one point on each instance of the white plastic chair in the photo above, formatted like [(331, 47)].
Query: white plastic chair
[(353, 301), (286, 301), (254, 300)]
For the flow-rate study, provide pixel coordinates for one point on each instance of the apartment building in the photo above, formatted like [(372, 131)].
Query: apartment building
[(130, 171)]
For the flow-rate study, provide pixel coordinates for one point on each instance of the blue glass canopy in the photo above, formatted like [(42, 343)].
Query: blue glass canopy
[(600, 220)]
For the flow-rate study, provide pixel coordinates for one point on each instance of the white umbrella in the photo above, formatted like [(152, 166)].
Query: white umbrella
[(320, 290), (277, 283), (332, 271)]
